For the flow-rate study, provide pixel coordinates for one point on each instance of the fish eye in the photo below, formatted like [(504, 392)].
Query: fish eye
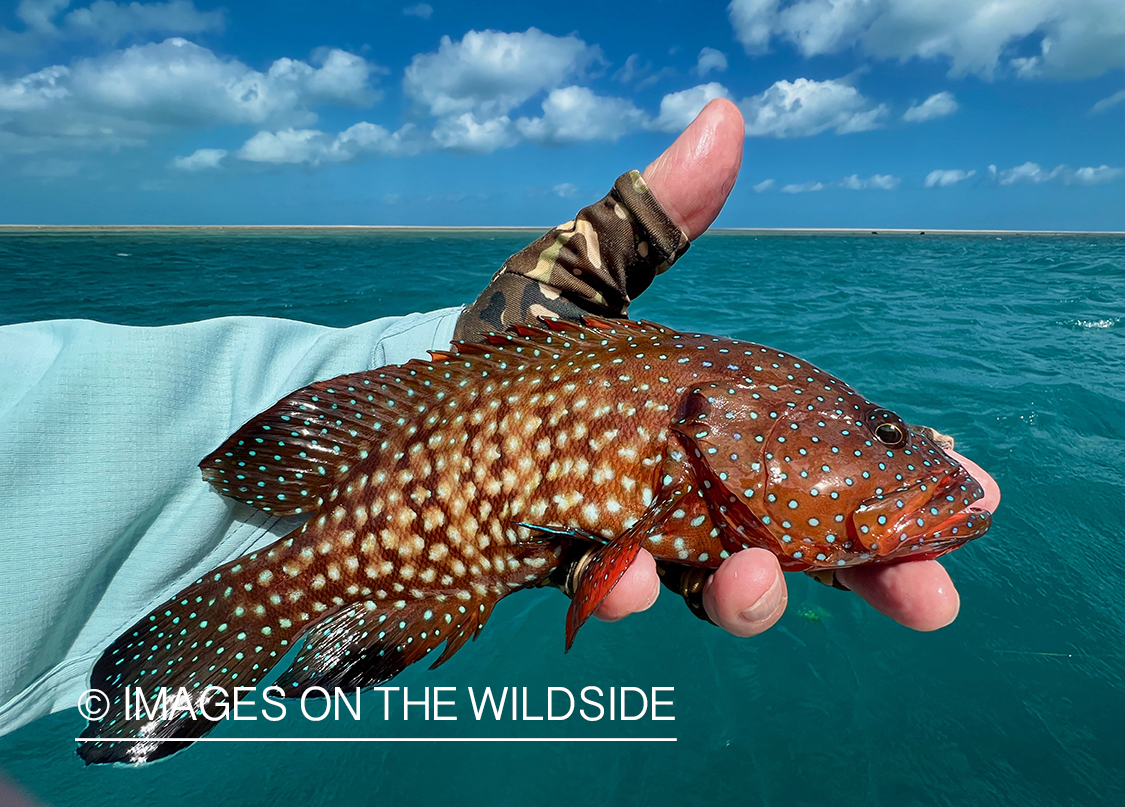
[(887, 427), (890, 434)]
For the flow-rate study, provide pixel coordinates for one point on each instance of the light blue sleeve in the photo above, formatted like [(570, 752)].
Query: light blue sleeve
[(103, 512)]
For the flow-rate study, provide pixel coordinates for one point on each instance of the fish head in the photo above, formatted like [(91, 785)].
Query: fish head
[(863, 486), (825, 478)]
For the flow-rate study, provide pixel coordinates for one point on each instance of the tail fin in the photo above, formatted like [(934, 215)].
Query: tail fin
[(229, 630), (221, 632)]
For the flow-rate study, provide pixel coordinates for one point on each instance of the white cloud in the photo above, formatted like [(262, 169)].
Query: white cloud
[(422, 10), (805, 107), (111, 22), (106, 21), (1032, 173), (1094, 176), (37, 15), (566, 190), (944, 178), (127, 95), (490, 73), (864, 121), (287, 146), (314, 147), (678, 109), (804, 187), (710, 59), (1025, 66), (343, 78), (1106, 103), (36, 90), (572, 114), (754, 22), (178, 81), (200, 160), (883, 182), (936, 106), (366, 140), (463, 133), (1075, 38), (1028, 172)]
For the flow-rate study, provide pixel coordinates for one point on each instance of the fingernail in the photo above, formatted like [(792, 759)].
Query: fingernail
[(766, 604)]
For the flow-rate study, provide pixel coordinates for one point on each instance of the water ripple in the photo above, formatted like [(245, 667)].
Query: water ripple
[(1013, 345)]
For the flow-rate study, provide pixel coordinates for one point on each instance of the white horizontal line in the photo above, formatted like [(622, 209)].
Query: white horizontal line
[(375, 739)]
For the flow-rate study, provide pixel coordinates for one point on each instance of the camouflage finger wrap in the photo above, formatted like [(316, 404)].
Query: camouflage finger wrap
[(595, 264)]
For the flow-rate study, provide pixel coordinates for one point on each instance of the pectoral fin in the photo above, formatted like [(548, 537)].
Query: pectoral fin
[(608, 563)]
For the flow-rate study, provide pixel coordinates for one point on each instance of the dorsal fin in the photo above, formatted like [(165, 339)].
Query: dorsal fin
[(287, 459)]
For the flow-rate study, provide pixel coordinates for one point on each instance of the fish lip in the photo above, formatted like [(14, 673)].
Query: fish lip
[(982, 507), (953, 477)]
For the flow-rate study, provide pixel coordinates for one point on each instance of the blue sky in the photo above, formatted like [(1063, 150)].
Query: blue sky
[(860, 113)]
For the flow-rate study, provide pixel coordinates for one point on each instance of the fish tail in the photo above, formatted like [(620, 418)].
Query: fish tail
[(231, 627), (223, 631)]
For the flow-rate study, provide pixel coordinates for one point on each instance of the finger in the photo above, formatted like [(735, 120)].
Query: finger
[(747, 594), (917, 594), (693, 178), (635, 591)]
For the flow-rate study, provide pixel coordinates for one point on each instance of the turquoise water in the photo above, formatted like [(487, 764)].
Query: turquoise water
[(1015, 345)]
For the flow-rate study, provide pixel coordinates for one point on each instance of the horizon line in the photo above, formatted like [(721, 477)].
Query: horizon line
[(537, 228), (377, 740)]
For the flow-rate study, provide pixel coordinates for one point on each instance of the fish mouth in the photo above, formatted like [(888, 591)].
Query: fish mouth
[(930, 517), (975, 518)]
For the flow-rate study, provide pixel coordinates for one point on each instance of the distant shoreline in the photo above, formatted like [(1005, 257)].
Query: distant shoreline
[(763, 231)]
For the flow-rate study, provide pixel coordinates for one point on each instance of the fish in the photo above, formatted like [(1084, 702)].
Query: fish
[(436, 488)]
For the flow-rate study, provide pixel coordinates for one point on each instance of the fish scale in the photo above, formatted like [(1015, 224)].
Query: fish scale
[(439, 487)]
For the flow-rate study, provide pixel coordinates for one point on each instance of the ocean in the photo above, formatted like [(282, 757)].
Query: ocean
[(1014, 344)]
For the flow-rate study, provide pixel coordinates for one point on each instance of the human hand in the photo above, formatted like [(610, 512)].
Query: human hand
[(747, 594)]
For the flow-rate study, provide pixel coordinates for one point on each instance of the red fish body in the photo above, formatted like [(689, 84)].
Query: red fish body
[(439, 487)]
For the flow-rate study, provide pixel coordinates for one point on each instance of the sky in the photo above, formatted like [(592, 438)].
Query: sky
[(859, 113)]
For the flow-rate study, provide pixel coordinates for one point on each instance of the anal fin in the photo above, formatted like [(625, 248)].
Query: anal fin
[(368, 643)]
